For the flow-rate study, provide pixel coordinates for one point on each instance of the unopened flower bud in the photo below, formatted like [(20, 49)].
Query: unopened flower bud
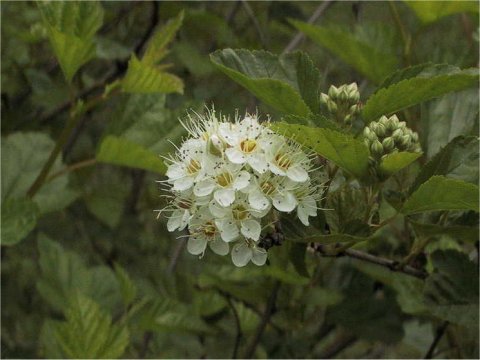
[(324, 99), (333, 92), (343, 95), (414, 137), (397, 135), (388, 144), (355, 109), (381, 130), (376, 148), (332, 106)]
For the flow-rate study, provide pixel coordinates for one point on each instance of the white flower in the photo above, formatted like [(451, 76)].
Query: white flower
[(203, 231), (245, 141), (268, 189), (307, 197), (246, 251)]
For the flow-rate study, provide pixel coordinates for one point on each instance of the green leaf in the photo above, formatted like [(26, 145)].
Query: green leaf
[(118, 151), (451, 292), (88, 332), (64, 272), (19, 218), (441, 193), (462, 233), (128, 288), (392, 163), (373, 62), (156, 49), (144, 79), (342, 149), (279, 81), (431, 82), (23, 156), (458, 159), (297, 254), (431, 11), (70, 28)]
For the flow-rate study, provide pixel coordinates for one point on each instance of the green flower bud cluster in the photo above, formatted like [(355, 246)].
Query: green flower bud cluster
[(388, 135), (342, 102)]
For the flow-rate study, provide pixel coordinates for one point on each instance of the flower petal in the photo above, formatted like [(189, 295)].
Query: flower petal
[(297, 173), (258, 200), (235, 155), (204, 188), (219, 247), (259, 256), (225, 197), (196, 245), (175, 220), (242, 180), (241, 254), (175, 171), (284, 201), (228, 229), (183, 183), (251, 229), (258, 162)]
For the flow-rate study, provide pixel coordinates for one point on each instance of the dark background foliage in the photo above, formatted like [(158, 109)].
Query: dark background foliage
[(93, 249)]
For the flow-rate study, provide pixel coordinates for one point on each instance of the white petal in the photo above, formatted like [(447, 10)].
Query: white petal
[(275, 169), (217, 210), (235, 155), (258, 162), (284, 201), (175, 171), (297, 173), (228, 229), (219, 247), (196, 245), (183, 183), (259, 256), (241, 254), (258, 200), (227, 132), (251, 229), (306, 208), (224, 197), (175, 220), (242, 180), (204, 188)]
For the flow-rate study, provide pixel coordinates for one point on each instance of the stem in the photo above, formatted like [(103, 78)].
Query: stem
[(438, 337), (405, 38), (238, 337), (62, 140), (341, 343), (263, 322), (73, 167)]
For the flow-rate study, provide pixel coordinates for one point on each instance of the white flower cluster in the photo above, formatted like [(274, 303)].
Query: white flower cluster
[(227, 178)]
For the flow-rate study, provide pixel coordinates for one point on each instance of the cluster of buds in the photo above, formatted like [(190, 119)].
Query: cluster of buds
[(227, 182), (388, 135), (342, 103)]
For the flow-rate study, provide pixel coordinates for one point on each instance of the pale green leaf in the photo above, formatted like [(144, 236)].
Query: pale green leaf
[(431, 11), (156, 49), (23, 156), (342, 149), (144, 79), (71, 27), (288, 83), (118, 151), (88, 332), (19, 218), (372, 62), (427, 84), (441, 193), (392, 163), (128, 288)]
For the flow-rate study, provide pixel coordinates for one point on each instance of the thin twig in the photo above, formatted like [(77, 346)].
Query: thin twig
[(176, 255), (254, 20), (340, 343), (299, 36), (73, 167), (390, 264), (436, 340), (263, 322), (147, 337), (238, 337)]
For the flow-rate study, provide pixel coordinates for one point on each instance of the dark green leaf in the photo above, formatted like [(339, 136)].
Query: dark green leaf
[(458, 159), (429, 83), (128, 289), (278, 81), (342, 149), (441, 193), (19, 218), (297, 257), (463, 233), (373, 62)]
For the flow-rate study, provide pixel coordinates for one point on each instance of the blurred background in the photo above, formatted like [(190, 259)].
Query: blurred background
[(97, 232)]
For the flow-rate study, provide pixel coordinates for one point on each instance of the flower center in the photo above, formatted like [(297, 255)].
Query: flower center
[(193, 167), (239, 212), (209, 229), (267, 187), (283, 161), (224, 179), (248, 146)]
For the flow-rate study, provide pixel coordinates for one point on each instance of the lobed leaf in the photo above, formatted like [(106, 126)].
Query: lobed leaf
[(427, 84), (441, 193), (342, 149)]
